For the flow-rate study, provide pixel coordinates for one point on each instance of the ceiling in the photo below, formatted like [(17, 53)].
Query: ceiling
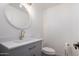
[(44, 6)]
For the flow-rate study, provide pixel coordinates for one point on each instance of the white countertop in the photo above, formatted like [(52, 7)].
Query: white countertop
[(17, 43)]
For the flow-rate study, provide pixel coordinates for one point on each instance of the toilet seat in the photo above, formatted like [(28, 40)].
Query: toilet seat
[(48, 51)]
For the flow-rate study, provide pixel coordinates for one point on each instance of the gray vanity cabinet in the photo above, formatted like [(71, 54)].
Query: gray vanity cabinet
[(32, 49), (35, 48)]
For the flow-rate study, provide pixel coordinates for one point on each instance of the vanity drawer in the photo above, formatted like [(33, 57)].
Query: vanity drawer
[(20, 51), (35, 48)]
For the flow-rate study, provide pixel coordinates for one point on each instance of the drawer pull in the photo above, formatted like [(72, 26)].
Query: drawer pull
[(32, 47), (34, 55)]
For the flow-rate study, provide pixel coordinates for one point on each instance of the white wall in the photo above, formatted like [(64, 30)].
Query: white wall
[(61, 25), (7, 32)]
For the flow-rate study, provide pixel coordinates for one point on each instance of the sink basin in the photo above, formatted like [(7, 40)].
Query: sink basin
[(18, 43), (21, 41)]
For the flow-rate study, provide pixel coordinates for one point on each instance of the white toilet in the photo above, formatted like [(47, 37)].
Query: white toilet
[(47, 51)]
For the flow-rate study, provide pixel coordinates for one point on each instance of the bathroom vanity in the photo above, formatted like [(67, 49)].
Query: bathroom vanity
[(21, 21), (27, 47)]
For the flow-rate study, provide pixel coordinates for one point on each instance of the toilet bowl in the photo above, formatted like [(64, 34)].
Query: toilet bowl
[(47, 51)]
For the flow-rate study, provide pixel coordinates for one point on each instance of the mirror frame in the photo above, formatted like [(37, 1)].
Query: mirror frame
[(30, 21)]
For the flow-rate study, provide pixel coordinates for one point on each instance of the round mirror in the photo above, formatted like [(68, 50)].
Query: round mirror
[(17, 16)]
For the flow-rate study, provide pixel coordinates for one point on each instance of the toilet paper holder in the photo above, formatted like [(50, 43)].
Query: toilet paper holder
[(76, 45)]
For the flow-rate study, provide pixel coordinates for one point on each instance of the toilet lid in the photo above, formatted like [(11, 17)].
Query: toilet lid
[(49, 51)]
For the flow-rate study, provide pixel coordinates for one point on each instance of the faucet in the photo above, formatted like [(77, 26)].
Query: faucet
[(22, 34)]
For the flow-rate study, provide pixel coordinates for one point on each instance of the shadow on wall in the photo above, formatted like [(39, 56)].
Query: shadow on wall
[(61, 26)]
